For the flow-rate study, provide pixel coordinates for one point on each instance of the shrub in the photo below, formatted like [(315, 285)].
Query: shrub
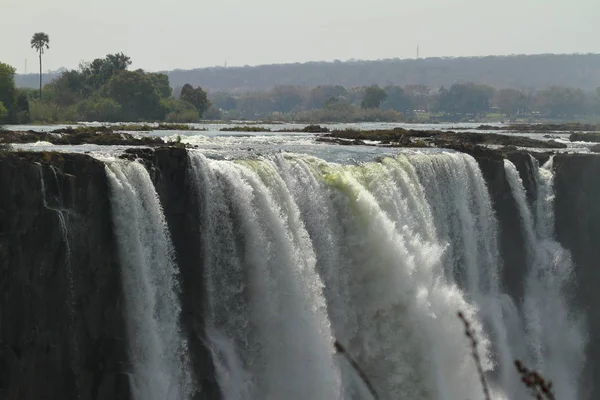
[(51, 113), (177, 142), (213, 113), (3, 111), (180, 111), (183, 116), (99, 109)]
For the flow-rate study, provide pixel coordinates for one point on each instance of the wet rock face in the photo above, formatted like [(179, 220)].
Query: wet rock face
[(510, 235), (62, 325), (61, 318), (577, 205)]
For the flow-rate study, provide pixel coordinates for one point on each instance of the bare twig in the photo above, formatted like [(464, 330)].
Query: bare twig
[(340, 349), (470, 333), (541, 388)]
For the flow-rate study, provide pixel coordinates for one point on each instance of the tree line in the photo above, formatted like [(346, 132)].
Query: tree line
[(457, 102), (101, 90), (14, 103), (539, 71), (106, 90)]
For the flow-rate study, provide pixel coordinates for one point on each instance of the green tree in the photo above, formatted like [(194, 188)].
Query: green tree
[(14, 100), (254, 104), (465, 98), (7, 86), (334, 102), (286, 98), (76, 85), (101, 70), (118, 61), (180, 111), (223, 101), (595, 102), (321, 94), (213, 113), (40, 42), (99, 109), (20, 112), (511, 102), (161, 83), (561, 102), (195, 96), (135, 92), (419, 96), (67, 89), (3, 111), (396, 99), (373, 97)]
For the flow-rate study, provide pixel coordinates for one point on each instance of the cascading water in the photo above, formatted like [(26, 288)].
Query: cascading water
[(158, 351), (466, 223), (266, 314), (300, 253), (286, 234), (554, 332)]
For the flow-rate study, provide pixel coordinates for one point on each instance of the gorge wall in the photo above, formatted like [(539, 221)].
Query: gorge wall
[(62, 307), (61, 322), (578, 228)]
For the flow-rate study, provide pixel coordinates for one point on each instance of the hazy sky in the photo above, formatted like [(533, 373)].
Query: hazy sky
[(185, 34)]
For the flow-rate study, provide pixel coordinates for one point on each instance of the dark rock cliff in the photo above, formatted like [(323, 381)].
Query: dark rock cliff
[(511, 239), (577, 205), (61, 326)]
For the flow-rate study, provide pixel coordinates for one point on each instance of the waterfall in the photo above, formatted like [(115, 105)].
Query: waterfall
[(265, 297), (299, 251), (302, 257), (158, 352), (465, 222), (554, 332)]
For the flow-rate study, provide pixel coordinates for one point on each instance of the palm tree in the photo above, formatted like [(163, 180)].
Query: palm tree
[(39, 41)]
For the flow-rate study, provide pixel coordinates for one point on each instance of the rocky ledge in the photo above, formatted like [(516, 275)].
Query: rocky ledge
[(469, 142), (74, 137), (542, 128)]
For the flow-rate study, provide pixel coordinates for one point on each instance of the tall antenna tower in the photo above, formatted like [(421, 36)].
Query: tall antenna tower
[(25, 66), (417, 52)]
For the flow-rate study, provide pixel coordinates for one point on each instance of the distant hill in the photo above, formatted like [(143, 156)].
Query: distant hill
[(518, 71), (33, 80)]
